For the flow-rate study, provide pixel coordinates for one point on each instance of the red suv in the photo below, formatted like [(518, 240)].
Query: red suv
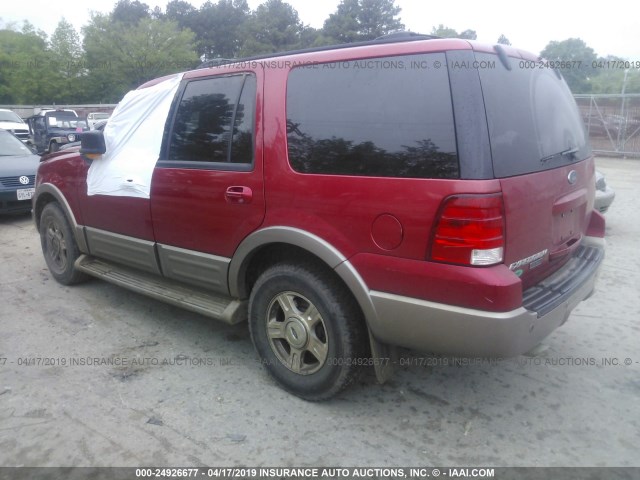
[(434, 194)]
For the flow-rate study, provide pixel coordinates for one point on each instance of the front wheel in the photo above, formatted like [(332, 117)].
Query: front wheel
[(307, 329), (59, 246)]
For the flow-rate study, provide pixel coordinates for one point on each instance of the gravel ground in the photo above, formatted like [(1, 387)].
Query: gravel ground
[(184, 390)]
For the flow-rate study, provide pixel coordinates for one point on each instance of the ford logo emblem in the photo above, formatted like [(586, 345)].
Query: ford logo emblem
[(572, 178), (24, 180)]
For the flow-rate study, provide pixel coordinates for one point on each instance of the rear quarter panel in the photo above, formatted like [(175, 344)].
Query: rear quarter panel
[(342, 209)]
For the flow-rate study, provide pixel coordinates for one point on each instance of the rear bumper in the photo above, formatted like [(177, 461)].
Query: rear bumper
[(446, 329)]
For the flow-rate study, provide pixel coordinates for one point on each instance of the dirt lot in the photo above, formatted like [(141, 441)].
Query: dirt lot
[(188, 391)]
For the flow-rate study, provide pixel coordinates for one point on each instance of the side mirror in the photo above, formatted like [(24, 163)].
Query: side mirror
[(92, 143)]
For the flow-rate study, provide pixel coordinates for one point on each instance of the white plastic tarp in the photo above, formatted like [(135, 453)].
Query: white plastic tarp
[(133, 137)]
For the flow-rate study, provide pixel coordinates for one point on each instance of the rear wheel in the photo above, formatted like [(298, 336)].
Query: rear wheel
[(307, 330), (59, 245)]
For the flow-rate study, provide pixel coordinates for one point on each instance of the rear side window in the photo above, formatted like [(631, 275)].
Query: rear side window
[(214, 121), (387, 117), (532, 117)]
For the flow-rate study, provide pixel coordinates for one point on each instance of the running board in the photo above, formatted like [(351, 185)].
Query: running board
[(222, 308)]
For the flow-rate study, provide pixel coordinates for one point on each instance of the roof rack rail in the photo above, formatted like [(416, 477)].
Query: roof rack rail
[(395, 37), (403, 35), (216, 62)]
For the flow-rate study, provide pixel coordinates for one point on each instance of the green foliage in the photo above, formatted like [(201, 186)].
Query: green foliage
[(66, 70), (130, 13), (25, 63), (469, 35), (447, 32), (444, 32), (359, 20), (122, 56), (312, 37), (587, 73), (218, 27), (135, 43), (577, 58), (610, 75), (273, 27), (502, 40), (182, 12)]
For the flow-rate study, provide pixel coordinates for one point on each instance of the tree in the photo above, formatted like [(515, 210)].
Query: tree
[(312, 37), (29, 29), (359, 20), (181, 12), (232, 16), (612, 80), (502, 40), (273, 27), (67, 67), (577, 57), (469, 35), (128, 12), (219, 28), (25, 75), (444, 32), (120, 56), (157, 13), (448, 32)]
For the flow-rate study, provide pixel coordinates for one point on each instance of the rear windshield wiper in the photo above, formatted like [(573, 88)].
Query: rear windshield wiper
[(568, 152)]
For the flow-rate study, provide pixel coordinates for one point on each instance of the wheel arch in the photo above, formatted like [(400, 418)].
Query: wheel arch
[(47, 193), (301, 243)]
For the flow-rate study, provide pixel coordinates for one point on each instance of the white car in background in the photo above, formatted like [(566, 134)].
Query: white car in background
[(604, 194), (11, 121), (94, 117)]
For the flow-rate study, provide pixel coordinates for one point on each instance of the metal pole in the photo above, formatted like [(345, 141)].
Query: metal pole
[(622, 130)]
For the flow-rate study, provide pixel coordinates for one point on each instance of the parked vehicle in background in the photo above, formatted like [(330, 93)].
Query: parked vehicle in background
[(52, 128), (94, 117), (604, 193), (433, 194), (610, 125), (18, 165), (12, 122), (99, 125)]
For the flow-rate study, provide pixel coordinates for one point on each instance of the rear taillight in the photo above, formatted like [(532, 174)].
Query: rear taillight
[(469, 230)]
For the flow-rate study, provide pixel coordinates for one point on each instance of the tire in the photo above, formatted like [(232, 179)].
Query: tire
[(54, 147), (314, 350), (59, 246)]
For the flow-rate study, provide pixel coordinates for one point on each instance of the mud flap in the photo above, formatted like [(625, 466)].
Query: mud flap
[(384, 358)]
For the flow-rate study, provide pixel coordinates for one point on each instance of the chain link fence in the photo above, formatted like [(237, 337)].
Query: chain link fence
[(613, 123)]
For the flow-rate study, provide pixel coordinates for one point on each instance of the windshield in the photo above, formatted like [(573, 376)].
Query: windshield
[(11, 146), (534, 123), (10, 117), (65, 121)]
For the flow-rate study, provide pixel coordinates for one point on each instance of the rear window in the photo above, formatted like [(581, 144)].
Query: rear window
[(532, 118), (387, 117)]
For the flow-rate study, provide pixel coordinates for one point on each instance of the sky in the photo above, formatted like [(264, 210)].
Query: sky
[(611, 29)]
